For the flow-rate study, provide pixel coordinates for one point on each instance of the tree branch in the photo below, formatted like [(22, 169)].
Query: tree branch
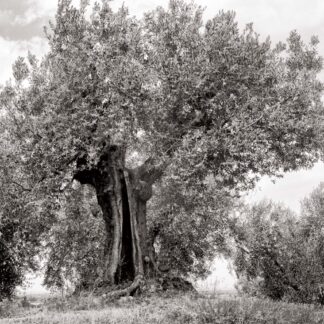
[(150, 172), (21, 186)]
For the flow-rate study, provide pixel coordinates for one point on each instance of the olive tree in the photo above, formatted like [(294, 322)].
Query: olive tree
[(129, 106)]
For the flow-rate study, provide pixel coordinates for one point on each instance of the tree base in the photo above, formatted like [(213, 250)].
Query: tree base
[(143, 287)]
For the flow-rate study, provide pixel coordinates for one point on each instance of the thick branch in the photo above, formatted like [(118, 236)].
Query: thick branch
[(137, 252), (86, 176), (150, 171), (21, 186)]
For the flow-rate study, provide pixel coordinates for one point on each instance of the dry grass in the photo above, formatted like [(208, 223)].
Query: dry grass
[(96, 310), (167, 310)]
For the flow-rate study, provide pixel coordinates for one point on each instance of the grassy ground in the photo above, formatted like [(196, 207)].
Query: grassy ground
[(187, 309)]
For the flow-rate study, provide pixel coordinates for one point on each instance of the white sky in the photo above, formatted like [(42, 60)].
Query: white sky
[(21, 23)]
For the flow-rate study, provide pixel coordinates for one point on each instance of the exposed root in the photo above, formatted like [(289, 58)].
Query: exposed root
[(128, 291), (146, 287)]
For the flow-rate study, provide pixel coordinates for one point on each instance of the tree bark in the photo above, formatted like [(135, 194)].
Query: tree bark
[(122, 195)]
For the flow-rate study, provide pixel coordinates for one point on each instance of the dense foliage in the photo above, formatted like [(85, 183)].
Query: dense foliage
[(20, 243), (75, 243), (194, 112), (283, 254), (186, 231)]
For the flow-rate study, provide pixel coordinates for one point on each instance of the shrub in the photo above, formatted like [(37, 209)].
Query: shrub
[(11, 275)]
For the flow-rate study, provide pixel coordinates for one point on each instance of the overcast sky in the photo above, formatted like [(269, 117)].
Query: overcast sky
[(21, 29)]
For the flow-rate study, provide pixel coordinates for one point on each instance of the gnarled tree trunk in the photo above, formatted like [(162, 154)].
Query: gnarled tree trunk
[(122, 195)]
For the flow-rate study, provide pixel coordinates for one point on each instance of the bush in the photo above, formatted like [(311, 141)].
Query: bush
[(11, 275)]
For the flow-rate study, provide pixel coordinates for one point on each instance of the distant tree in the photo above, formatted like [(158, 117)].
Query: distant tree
[(282, 256), (265, 250), (136, 107), (311, 242)]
